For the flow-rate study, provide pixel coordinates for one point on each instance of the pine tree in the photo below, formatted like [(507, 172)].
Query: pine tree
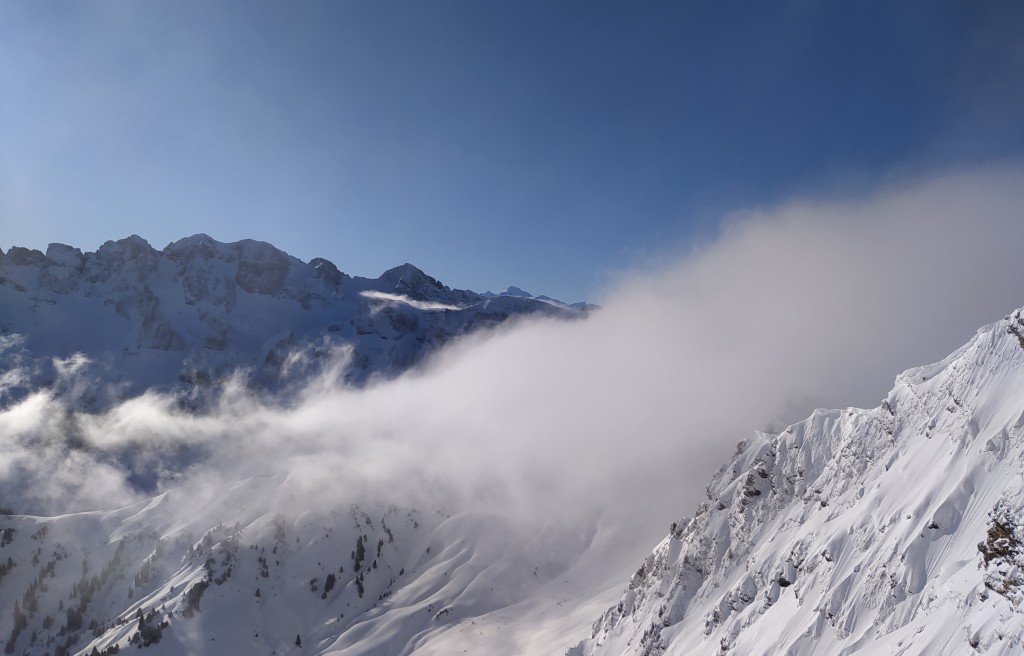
[(20, 621)]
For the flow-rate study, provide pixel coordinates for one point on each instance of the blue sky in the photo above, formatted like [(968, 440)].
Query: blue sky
[(542, 144)]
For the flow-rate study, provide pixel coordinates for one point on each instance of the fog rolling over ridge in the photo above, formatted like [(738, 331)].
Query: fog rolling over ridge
[(622, 416), (809, 304)]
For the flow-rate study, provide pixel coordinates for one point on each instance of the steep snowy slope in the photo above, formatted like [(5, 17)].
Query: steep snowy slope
[(194, 312), (222, 571), (896, 530)]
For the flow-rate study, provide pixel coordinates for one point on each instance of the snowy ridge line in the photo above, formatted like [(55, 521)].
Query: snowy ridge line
[(897, 529), (189, 316)]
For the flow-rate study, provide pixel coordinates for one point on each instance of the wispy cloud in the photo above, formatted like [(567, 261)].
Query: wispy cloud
[(401, 298)]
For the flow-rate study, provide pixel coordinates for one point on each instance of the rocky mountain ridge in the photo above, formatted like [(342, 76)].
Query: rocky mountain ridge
[(189, 315)]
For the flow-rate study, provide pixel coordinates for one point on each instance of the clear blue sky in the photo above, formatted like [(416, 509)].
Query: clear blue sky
[(541, 144)]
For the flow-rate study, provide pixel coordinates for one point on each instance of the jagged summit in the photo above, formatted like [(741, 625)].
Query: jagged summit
[(411, 281), (131, 246), (64, 255), (327, 271), (512, 290), (407, 271)]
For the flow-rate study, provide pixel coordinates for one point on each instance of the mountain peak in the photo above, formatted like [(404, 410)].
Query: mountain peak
[(327, 271), (405, 270), (411, 281), (64, 255), (186, 243), (512, 290), (130, 245)]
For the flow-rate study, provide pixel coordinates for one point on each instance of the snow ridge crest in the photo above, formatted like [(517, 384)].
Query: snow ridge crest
[(854, 531)]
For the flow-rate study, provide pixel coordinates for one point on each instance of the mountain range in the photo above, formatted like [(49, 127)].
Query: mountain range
[(188, 316), (897, 529)]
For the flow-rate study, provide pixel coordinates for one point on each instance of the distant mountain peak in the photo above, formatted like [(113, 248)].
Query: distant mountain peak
[(413, 282), (131, 246), (327, 271), (512, 290), (518, 292), (186, 243), (406, 270)]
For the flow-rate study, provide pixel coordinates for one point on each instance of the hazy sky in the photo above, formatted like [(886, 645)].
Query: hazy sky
[(490, 143)]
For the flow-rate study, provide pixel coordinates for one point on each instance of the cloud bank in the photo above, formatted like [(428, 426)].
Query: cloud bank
[(811, 303)]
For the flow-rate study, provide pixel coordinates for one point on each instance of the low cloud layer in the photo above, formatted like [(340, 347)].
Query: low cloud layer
[(813, 303)]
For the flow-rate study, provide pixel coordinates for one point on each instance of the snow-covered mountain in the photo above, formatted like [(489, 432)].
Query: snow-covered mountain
[(256, 564), (196, 311), (898, 529), (894, 530), (357, 579), (516, 292)]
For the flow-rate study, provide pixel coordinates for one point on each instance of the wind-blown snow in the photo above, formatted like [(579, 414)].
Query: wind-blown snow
[(401, 298)]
